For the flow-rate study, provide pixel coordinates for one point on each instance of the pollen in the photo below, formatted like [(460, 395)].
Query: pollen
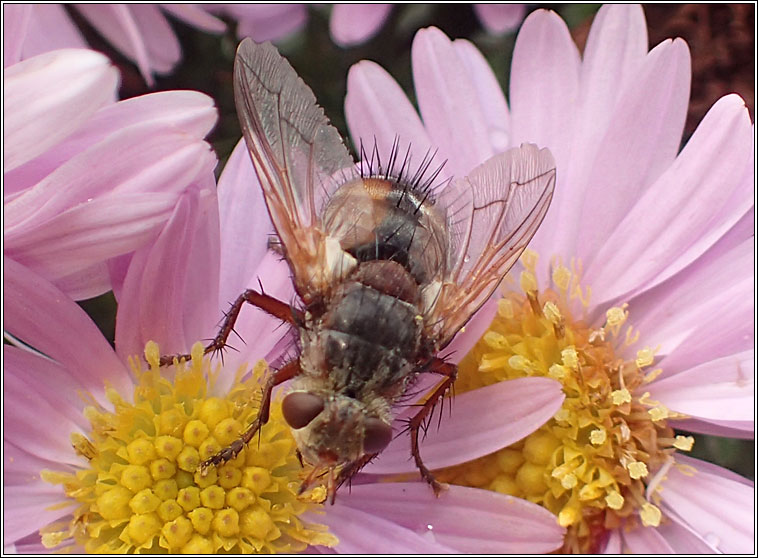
[(604, 454), (637, 469), (528, 282), (140, 491), (650, 515), (598, 437), (621, 396), (684, 443)]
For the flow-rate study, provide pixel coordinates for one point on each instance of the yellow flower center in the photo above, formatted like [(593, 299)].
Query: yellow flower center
[(592, 463), (141, 491)]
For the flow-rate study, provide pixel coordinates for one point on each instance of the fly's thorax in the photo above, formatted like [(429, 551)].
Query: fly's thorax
[(382, 219)]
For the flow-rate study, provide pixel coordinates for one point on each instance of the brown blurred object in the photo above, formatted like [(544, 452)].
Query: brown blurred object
[(722, 41), (721, 38)]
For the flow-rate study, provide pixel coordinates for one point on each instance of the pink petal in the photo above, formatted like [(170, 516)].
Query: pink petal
[(55, 386), (51, 28), (246, 262), (16, 19), (36, 417), (468, 520), (719, 509), (117, 25), (515, 409), (150, 159), (264, 22), (351, 24), (31, 544), (195, 16), (544, 84), (685, 211), (188, 111), (645, 540), (245, 224), (170, 291), (362, 532), (21, 468), (712, 469), (161, 42), (682, 539), (117, 269), (472, 332), (641, 144), (544, 89), (701, 314), (721, 232), (90, 234), (490, 95), (499, 18), (377, 112), (140, 32), (29, 508), (722, 389), (86, 282), (616, 48), (613, 545), (458, 126), (47, 97), (191, 112), (66, 335), (202, 267), (744, 430)]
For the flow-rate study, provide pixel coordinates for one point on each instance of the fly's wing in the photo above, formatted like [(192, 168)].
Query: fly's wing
[(299, 157), (493, 213)]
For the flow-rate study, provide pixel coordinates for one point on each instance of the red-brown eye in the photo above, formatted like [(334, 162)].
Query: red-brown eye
[(300, 408), (377, 435)]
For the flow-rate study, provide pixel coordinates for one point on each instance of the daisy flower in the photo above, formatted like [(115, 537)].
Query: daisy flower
[(138, 31), (87, 180), (141, 32), (353, 24), (263, 22), (101, 446), (636, 292)]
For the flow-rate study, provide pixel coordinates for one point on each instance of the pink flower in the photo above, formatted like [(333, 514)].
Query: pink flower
[(173, 293), (88, 180), (263, 22), (353, 24), (500, 18), (662, 238), (141, 32)]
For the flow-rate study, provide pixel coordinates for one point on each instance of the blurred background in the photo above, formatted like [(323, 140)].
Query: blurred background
[(721, 38)]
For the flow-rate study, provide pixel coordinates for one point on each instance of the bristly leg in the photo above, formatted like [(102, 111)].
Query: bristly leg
[(267, 303), (352, 468), (450, 371), (286, 372)]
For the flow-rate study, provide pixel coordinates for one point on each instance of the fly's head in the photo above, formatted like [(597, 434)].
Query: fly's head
[(333, 431)]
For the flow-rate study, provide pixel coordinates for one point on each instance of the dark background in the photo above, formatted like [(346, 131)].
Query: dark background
[(721, 39)]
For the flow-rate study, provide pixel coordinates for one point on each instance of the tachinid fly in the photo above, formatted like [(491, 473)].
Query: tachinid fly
[(388, 268)]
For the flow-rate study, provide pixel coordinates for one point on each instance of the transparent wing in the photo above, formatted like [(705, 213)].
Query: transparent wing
[(299, 157), (493, 213)]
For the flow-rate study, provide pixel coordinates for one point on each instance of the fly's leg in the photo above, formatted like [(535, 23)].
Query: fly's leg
[(450, 371), (286, 372), (267, 303), (349, 471)]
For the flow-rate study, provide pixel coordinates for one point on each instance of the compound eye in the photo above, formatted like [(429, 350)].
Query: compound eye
[(377, 435), (300, 408)]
